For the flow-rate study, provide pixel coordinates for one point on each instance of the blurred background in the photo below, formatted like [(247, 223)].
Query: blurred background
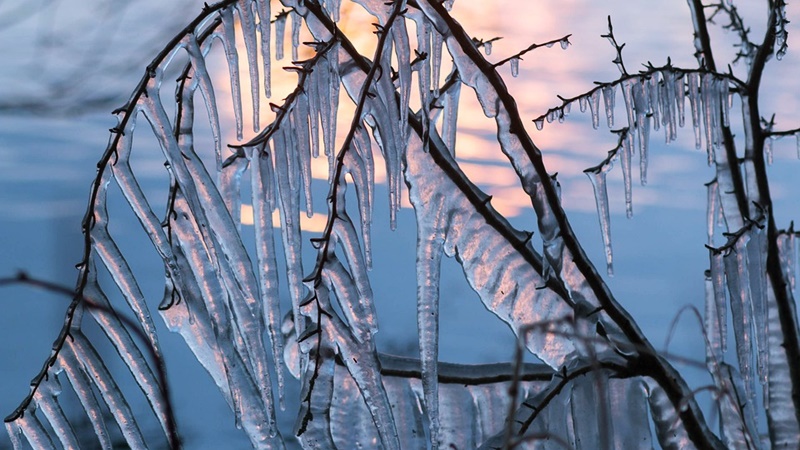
[(67, 63)]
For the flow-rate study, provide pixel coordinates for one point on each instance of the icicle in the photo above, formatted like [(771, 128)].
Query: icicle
[(609, 93), (124, 345), (46, 398), (403, 51), (642, 127), (784, 429), (625, 158), (264, 21), (487, 48), (514, 66), (290, 226), (668, 99), (711, 326), (310, 92), (297, 22), (203, 80), (694, 102), (248, 23), (15, 435), (652, 97), (94, 367), (346, 233), (35, 432), (594, 107), (449, 126), (299, 118), (725, 100), (362, 169), (712, 206), (710, 111), (598, 178), (756, 259), (436, 61), (363, 365), (280, 33), (768, 149), (539, 123), (628, 95), (680, 98), (669, 428), (430, 240), (797, 139), (718, 282), (424, 68), (736, 270), (262, 187), (82, 386), (229, 41), (788, 256)]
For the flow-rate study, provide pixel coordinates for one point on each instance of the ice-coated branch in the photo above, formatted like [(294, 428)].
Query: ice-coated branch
[(23, 278), (563, 41), (673, 385)]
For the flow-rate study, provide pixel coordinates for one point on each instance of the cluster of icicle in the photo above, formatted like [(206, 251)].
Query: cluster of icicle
[(654, 99), (222, 307)]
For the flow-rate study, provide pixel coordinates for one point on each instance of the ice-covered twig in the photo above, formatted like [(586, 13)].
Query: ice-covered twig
[(23, 278)]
